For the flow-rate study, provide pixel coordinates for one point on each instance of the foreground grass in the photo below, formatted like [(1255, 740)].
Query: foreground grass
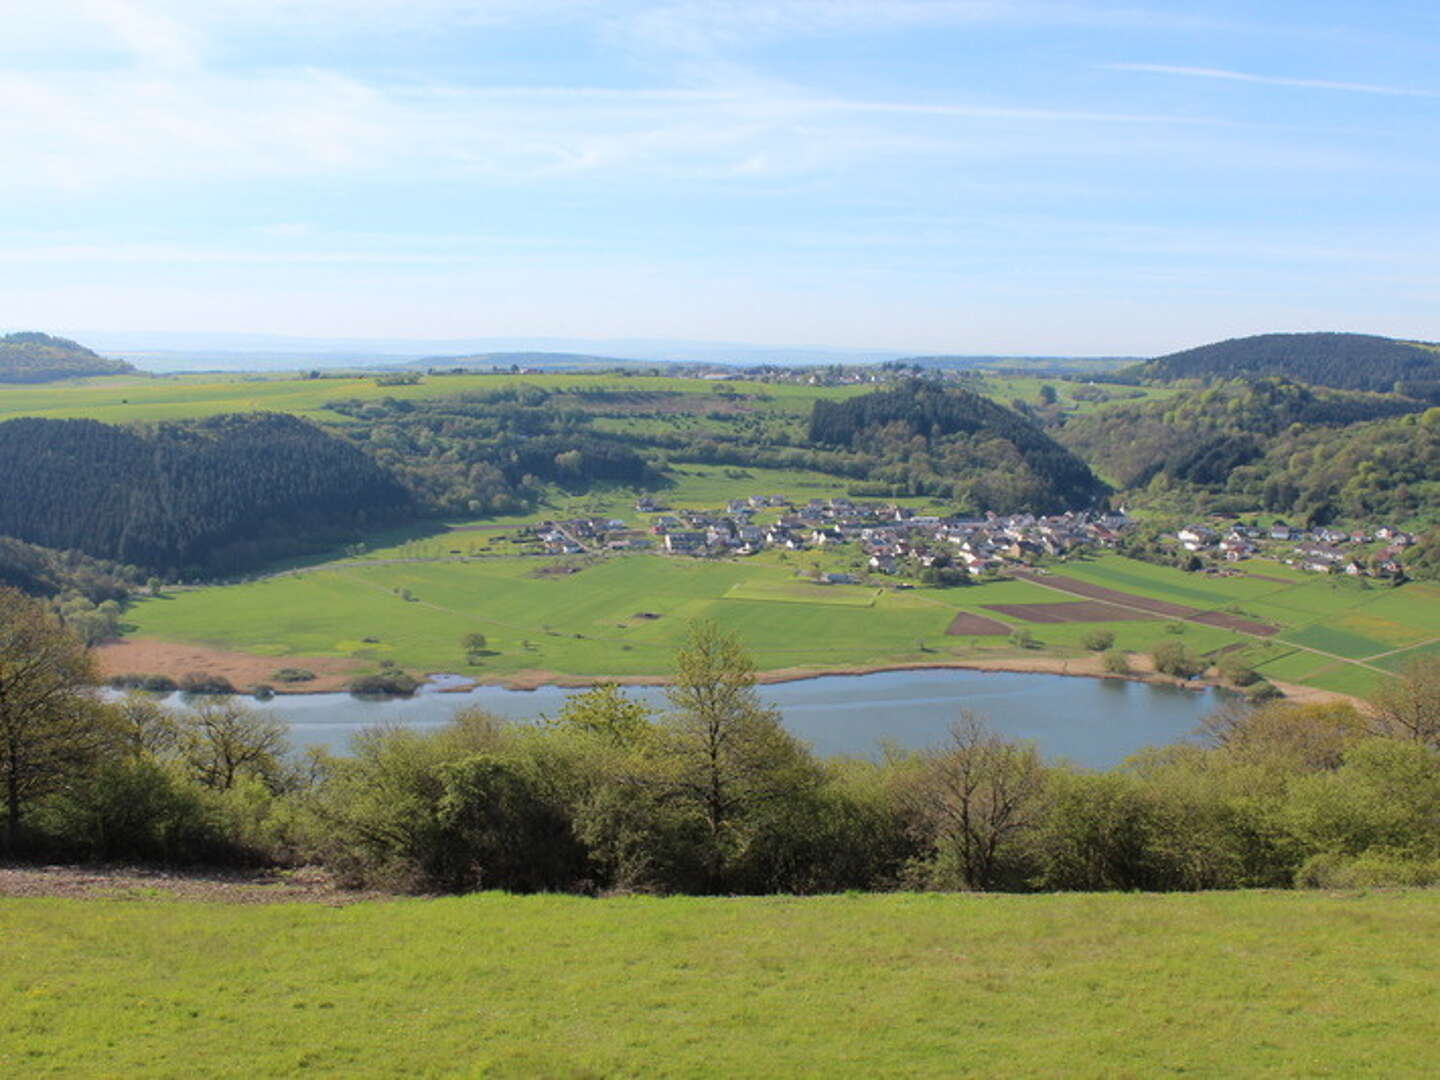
[(1218, 984)]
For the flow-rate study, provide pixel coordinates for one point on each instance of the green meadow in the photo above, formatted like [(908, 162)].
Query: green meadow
[(1221, 984), (624, 614)]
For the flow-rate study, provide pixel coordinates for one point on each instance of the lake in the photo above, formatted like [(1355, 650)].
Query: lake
[(1093, 722)]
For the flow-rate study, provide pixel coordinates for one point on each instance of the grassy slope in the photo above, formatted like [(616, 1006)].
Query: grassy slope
[(1233, 984)]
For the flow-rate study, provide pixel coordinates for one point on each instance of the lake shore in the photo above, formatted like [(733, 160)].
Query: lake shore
[(246, 670)]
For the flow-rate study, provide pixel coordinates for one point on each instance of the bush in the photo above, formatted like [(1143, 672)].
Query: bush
[(1115, 662), (1236, 672), (1263, 691), (139, 810), (1024, 639), (199, 682), (263, 692), (1098, 640), (1172, 658), (292, 675), (1368, 871), (385, 684), (156, 684)]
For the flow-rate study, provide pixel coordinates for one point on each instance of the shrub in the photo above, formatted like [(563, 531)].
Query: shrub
[(1236, 672), (1368, 871), (200, 682), (1098, 640), (1115, 662), (1024, 639), (385, 684), (292, 675), (263, 692), (1263, 691), (159, 684), (1172, 658)]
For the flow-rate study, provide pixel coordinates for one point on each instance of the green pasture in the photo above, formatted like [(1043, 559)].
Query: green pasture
[(1222, 984), (126, 398), (583, 623), (625, 614)]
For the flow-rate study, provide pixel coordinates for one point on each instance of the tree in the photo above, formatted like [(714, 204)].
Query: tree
[(223, 740), (51, 727), (1098, 640), (974, 799), (1409, 707), (605, 711), (727, 754)]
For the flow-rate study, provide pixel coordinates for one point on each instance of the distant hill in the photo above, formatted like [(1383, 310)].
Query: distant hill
[(546, 360), (1344, 361), (37, 358), (1032, 365)]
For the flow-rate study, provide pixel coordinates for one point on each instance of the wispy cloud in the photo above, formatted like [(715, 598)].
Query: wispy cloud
[(1272, 80)]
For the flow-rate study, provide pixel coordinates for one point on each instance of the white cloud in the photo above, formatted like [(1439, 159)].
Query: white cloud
[(1272, 80)]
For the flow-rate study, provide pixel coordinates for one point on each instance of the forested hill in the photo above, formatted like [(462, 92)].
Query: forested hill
[(990, 457), (1344, 361), (210, 495), (35, 358)]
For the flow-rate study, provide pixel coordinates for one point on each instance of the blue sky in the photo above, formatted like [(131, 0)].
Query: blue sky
[(975, 176)]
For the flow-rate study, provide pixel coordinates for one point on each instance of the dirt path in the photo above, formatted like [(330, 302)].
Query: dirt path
[(307, 884)]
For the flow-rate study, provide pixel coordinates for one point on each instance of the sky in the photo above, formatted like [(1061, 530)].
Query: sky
[(936, 176)]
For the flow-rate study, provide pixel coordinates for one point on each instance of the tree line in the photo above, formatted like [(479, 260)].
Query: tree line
[(188, 498), (710, 795)]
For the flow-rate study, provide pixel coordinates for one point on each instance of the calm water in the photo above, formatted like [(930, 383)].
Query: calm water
[(1094, 722)]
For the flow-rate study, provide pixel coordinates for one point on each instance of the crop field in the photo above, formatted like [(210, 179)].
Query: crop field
[(1219, 984), (803, 592)]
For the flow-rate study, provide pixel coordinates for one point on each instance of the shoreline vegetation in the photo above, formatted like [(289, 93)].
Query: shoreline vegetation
[(1088, 667)]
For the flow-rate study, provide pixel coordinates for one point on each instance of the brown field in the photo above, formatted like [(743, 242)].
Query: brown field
[(1068, 612), (147, 657), (967, 625), (1156, 607)]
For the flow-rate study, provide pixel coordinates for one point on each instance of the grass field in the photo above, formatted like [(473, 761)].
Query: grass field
[(1220, 984), (418, 602)]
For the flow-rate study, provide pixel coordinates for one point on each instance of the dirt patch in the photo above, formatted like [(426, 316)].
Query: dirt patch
[(308, 884), (244, 670), (966, 624), (1234, 622), (1068, 612), (1156, 607)]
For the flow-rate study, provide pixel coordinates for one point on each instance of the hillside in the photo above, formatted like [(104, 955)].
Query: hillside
[(1238, 984), (212, 494), (38, 358), (986, 456), (1345, 361)]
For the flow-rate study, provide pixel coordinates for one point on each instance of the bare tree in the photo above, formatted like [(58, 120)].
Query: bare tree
[(1409, 707), (51, 726), (223, 740), (975, 797)]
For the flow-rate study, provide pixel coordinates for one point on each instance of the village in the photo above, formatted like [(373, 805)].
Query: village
[(1320, 550), (893, 539)]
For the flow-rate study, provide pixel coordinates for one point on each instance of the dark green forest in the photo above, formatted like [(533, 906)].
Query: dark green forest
[(954, 442), (1345, 361), (188, 498), (34, 358)]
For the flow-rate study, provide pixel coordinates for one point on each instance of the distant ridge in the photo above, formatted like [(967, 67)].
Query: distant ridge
[(527, 360), (1343, 361), (35, 358)]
